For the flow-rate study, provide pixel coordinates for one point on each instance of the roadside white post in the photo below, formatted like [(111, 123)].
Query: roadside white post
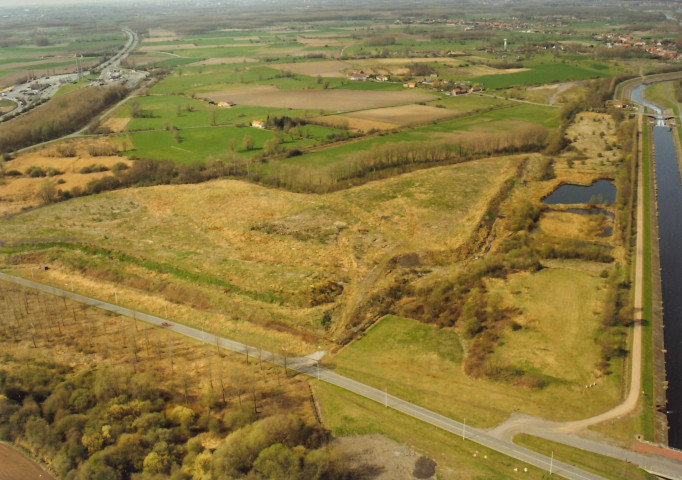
[(318, 370), (386, 397), (464, 429), (116, 297), (551, 463)]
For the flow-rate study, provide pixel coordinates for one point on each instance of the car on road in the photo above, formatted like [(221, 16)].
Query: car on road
[(165, 324)]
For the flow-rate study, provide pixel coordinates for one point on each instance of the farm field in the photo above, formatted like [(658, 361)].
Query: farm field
[(504, 119), (540, 74), (250, 186), (327, 100)]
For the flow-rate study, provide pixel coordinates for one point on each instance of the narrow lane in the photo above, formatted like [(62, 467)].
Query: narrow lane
[(311, 368)]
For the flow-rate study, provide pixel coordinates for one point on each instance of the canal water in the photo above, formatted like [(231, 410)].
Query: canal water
[(669, 188)]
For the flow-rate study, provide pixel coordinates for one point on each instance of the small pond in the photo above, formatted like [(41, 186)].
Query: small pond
[(602, 192)]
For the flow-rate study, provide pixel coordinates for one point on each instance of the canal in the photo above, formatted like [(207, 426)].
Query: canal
[(669, 189)]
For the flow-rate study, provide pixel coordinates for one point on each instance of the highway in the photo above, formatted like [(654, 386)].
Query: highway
[(311, 367), (25, 98)]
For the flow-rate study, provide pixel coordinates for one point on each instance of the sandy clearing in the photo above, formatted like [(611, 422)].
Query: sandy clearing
[(225, 61), (17, 466), (116, 124), (334, 100), (404, 114), (385, 458), (327, 69)]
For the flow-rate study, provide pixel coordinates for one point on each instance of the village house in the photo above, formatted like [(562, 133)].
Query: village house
[(410, 85), (225, 104), (258, 124), (381, 78)]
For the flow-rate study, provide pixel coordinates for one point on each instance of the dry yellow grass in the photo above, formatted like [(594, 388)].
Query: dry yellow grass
[(20, 192), (161, 48), (265, 241), (586, 228), (225, 61), (116, 124)]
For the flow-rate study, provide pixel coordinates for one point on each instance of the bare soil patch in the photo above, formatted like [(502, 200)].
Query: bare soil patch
[(116, 124), (141, 60), (7, 109), (334, 100), (161, 35), (319, 42), (17, 466), (404, 114), (159, 48), (377, 457), (329, 68), (358, 124)]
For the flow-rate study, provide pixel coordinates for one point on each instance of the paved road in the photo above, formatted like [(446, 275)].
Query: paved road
[(311, 367), (55, 82)]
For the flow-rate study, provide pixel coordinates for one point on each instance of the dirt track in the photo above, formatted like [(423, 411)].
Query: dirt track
[(17, 466)]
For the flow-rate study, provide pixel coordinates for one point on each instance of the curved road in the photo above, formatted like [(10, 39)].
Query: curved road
[(311, 367)]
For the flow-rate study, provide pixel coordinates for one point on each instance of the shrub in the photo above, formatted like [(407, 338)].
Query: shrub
[(35, 172), (94, 168)]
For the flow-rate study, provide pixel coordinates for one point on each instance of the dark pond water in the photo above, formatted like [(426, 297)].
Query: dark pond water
[(601, 192), (670, 233)]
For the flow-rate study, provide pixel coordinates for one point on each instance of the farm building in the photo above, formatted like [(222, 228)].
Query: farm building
[(258, 124), (225, 104), (410, 85), (357, 76), (381, 78)]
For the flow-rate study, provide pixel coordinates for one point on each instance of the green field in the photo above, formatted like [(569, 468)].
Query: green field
[(503, 119), (540, 74), (423, 364)]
